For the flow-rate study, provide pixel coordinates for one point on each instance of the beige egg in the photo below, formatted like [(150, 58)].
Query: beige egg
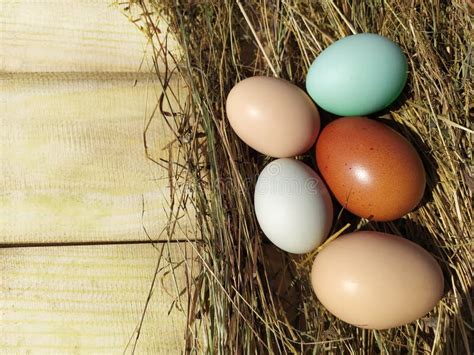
[(273, 116), (376, 280)]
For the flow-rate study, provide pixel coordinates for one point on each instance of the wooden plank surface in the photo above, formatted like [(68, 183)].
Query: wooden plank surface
[(73, 164), (70, 35), (89, 300), (73, 170)]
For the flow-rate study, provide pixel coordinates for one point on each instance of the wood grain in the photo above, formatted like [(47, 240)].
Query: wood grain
[(75, 93), (73, 164), (89, 300), (69, 35)]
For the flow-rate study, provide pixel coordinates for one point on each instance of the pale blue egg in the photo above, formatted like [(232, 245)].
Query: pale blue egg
[(357, 75)]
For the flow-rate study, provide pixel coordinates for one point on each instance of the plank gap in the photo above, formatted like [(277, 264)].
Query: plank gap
[(90, 243), (79, 76)]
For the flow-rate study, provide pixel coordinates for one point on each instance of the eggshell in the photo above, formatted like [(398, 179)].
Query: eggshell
[(373, 171), (357, 75), (292, 205), (273, 116), (376, 280)]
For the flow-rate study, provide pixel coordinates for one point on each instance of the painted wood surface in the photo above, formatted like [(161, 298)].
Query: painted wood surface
[(90, 300), (70, 36), (73, 162), (75, 91)]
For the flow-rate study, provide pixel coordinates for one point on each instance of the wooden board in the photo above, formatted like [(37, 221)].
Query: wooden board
[(70, 35), (73, 164), (75, 91), (89, 300)]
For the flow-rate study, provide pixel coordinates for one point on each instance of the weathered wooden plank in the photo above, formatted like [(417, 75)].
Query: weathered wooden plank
[(89, 300), (73, 170), (73, 165), (63, 36)]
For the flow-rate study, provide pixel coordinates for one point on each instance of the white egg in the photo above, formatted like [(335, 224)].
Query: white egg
[(293, 206)]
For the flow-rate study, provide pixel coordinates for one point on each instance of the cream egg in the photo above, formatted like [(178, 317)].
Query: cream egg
[(273, 116)]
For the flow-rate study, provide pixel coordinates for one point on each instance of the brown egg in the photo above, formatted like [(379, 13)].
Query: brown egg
[(273, 116), (376, 280), (373, 171)]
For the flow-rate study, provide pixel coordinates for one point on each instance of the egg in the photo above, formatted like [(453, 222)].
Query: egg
[(357, 75), (293, 206), (372, 170), (273, 116), (376, 280)]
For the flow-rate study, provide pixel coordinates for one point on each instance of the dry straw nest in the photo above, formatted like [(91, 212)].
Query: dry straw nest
[(249, 297)]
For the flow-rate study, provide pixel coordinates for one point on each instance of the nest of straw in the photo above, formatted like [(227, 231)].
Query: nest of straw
[(249, 297)]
